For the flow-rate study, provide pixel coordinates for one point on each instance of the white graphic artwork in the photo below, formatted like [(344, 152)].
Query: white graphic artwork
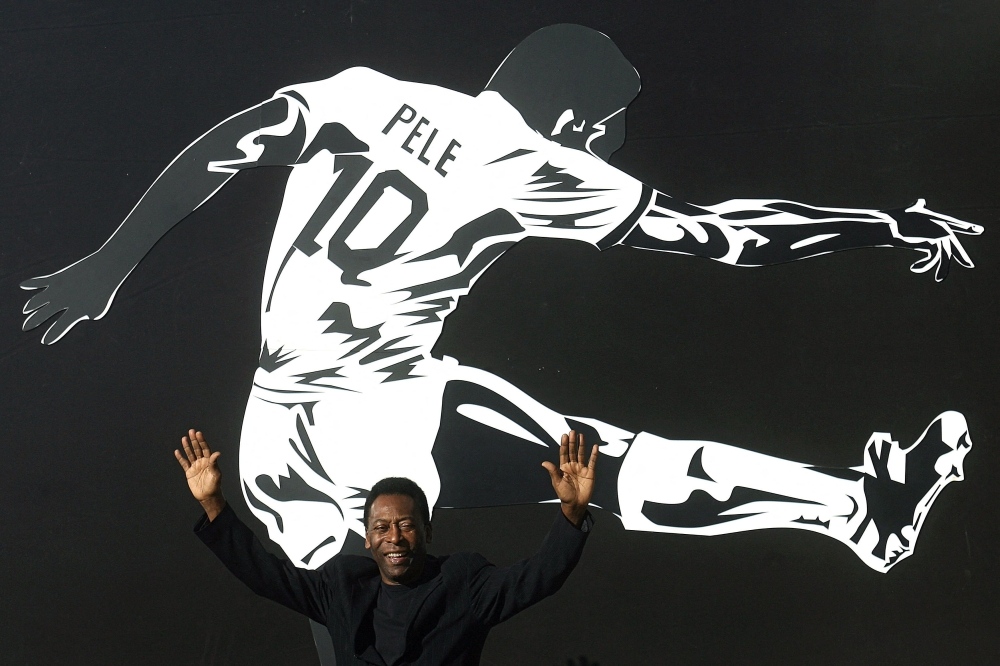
[(400, 196)]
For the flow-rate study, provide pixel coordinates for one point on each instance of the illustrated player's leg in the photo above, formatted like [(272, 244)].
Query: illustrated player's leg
[(877, 508), (493, 437), (285, 487)]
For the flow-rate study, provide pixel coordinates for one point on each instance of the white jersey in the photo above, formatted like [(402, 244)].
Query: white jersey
[(404, 194)]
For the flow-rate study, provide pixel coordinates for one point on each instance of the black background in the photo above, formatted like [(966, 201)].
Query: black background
[(828, 103)]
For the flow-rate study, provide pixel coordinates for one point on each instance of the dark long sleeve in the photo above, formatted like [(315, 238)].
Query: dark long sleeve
[(498, 593), (304, 591)]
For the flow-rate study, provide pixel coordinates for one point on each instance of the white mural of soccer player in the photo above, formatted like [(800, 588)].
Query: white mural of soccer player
[(400, 196)]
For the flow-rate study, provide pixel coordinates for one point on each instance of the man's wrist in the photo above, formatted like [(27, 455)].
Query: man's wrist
[(213, 506), (574, 513)]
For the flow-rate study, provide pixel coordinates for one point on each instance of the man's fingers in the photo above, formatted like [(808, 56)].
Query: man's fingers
[(214, 457), (577, 448), (563, 450), (195, 446), (184, 463), (202, 444), (553, 471), (188, 451), (199, 444), (592, 465)]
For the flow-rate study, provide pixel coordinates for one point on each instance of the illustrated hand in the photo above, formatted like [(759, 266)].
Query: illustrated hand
[(203, 475), (573, 480), (932, 234), (83, 290)]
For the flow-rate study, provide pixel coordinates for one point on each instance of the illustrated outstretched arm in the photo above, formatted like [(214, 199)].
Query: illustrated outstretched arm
[(761, 232), (271, 133)]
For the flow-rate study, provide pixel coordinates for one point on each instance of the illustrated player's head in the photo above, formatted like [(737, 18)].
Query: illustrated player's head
[(571, 84)]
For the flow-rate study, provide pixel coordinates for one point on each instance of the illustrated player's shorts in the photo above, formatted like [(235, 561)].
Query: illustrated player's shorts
[(465, 436)]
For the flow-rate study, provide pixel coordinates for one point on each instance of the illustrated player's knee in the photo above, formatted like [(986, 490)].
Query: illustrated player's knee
[(489, 450), (493, 438)]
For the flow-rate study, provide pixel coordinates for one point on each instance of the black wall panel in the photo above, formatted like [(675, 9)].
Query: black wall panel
[(832, 104)]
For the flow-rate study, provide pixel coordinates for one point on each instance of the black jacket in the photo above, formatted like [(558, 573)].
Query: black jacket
[(462, 598)]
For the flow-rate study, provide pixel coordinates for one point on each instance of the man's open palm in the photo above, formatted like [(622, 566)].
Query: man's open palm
[(573, 480), (203, 475)]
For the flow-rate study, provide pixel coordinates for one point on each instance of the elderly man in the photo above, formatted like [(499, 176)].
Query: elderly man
[(402, 606)]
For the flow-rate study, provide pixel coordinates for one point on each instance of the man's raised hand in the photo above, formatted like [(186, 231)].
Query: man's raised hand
[(573, 480), (203, 475)]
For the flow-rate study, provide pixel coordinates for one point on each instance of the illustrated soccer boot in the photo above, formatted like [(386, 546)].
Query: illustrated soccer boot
[(901, 485)]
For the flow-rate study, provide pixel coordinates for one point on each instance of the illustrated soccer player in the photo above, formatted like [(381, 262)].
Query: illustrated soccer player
[(400, 196)]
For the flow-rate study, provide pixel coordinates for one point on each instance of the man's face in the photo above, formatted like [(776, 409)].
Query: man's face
[(397, 537)]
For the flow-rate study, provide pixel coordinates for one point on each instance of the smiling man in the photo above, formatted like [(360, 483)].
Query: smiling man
[(402, 606), (398, 529)]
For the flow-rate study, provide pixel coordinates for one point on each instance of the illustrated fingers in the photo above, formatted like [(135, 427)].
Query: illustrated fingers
[(925, 264), (36, 317), (184, 463), (36, 283), (60, 327), (36, 301), (943, 265), (965, 227), (960, 226), (953, 223), (960, 255)]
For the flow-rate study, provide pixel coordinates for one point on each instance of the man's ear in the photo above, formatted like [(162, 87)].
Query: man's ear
[(430, 532), (368, 546)]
